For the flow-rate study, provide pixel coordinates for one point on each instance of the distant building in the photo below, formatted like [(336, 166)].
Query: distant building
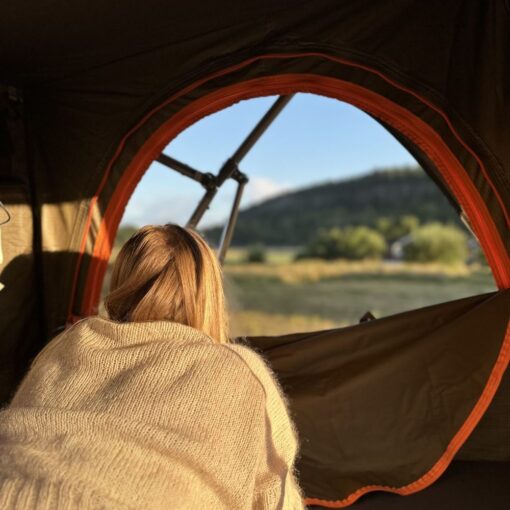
[(397, 247)]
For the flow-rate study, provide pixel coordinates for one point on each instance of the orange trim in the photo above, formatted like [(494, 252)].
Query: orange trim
[(502, 277), (458, 440), (403, 120)]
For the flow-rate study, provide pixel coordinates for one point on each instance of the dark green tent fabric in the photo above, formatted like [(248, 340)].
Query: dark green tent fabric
[(91, 92), (386, 405), (466, 486)]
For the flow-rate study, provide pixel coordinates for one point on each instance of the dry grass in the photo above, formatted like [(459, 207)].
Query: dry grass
[(314, 270), (254, 323)]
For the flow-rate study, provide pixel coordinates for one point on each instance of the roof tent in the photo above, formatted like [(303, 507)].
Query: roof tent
[(91, 93)]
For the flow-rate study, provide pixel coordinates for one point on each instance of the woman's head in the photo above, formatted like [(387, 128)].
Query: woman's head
[(167, 272)]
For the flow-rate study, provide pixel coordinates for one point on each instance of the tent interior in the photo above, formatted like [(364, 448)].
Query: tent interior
[(416, 404)]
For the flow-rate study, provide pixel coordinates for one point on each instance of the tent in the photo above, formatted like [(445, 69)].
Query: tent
[(91, 93)]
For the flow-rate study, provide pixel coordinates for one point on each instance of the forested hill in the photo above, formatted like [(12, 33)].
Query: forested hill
[(293, 218)]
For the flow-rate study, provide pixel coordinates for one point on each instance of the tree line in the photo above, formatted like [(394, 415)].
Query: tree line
[(294, 218), (403, 239)]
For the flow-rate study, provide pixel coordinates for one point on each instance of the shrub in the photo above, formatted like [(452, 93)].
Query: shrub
[(393, 229), (324, 246), (435, 242), (256, 253), (354, 243), (362, 243)]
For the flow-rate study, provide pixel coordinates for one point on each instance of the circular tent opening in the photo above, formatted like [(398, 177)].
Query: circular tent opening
[(463, 174), (277, 298), (151, 142)]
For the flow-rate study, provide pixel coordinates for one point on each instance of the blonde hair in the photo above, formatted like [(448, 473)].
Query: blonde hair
[(167, 272)]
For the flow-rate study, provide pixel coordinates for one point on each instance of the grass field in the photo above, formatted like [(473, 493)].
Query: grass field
[(340, 300), (281, 296)]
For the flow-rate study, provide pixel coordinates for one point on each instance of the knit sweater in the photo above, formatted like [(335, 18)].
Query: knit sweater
[(147, 416)]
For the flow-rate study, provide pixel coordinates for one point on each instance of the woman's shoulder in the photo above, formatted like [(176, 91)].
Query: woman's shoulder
[(277, 401), (253, 359), (260, 367)]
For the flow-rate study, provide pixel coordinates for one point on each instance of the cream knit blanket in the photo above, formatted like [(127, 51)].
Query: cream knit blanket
[(147, 416)]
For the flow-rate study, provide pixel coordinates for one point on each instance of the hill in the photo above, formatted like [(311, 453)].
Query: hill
[(293, 218)]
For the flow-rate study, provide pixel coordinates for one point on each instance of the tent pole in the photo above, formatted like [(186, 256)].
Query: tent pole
[(202, 207), (256, 133), (228, 230), (231, 165), (186, 170)]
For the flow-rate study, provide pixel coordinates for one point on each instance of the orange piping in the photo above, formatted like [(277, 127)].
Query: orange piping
[(402, 119), (405, 121), (458, 440), (232, 69)]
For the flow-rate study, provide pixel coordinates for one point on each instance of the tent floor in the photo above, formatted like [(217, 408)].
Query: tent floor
[(465, 485)]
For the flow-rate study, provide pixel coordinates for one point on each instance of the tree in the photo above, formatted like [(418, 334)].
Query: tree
[(362, 243), (324, 246), (435, 242), (354, 243), (393, 229), (256, 253)]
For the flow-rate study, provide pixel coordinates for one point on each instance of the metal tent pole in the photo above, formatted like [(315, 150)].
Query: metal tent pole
[(184, 169), (228, 230), (231, 165)]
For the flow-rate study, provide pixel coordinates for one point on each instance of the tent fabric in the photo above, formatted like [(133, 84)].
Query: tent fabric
[(91, 93), (387, 404), (17, 299), (490, 441), (465, 485)]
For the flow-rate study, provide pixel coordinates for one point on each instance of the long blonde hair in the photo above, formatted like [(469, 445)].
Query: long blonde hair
[(168, 272)]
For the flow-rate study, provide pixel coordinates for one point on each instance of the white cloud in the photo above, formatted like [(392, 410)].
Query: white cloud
[(147, 208), (262, 188), (150, 208)]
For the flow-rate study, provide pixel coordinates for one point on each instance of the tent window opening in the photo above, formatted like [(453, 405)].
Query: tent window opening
[(359, 265)]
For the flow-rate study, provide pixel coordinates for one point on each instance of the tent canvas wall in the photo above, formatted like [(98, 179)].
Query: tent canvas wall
[(91, 93)]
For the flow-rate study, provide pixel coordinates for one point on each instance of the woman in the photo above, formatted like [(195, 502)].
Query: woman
[(153, 407)]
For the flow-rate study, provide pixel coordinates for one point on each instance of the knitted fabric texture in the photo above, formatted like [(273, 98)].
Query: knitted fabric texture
[(148, 415)]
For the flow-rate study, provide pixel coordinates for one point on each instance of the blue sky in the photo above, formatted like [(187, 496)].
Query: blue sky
[(315, 139)]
